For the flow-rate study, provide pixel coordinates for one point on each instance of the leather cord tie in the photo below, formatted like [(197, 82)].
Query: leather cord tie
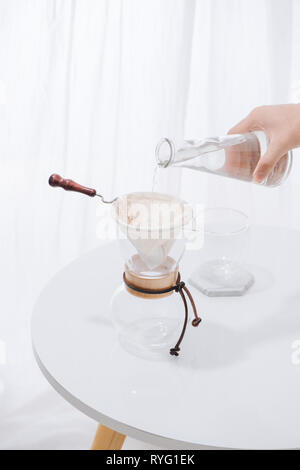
[(181, 288)]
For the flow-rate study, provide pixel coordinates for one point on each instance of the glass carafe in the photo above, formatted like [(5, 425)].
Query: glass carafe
[(151, 234), (234, 156)]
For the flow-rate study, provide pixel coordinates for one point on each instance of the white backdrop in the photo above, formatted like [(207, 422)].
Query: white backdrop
[(87, 87)]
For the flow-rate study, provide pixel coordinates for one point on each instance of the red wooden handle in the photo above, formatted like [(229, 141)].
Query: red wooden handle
[(69, 185)]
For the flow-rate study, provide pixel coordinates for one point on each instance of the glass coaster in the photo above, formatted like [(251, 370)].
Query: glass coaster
[(222, 278)]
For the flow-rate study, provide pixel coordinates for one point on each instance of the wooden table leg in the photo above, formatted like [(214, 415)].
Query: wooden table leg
[(107, 439)]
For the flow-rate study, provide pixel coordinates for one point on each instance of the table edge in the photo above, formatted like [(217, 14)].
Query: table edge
[(118, 426)]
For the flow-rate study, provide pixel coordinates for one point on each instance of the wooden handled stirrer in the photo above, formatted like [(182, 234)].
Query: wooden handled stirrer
[(70, 185)]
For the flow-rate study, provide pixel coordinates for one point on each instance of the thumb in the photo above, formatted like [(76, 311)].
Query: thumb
[(246, 125), (268, 161)]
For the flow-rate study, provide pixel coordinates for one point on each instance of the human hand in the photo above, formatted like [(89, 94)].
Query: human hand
[(281, 124)]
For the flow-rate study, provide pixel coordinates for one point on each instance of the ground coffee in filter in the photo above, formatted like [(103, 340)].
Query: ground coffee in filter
[(152, 222)]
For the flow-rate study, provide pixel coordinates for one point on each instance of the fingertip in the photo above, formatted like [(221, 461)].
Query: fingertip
[(242, 127), (235, 130), (259, 177), (267, 163), (261, 172), (231, 131)]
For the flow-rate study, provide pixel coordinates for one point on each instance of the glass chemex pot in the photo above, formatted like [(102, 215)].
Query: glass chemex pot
[(150, 320), (234, 156), (147, 313)]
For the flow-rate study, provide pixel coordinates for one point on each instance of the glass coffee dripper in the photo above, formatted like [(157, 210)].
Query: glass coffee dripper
[(146, 313)]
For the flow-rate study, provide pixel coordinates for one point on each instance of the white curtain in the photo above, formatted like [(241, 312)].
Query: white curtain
[(244, 54), (87, 87)]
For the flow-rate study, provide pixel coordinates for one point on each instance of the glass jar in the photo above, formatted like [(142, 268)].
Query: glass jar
[(151, 235)]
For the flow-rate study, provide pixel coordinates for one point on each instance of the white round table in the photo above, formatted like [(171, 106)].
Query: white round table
[(236, 383)]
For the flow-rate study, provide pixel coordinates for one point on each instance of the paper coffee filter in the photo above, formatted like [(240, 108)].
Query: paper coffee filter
[(152, 222)]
